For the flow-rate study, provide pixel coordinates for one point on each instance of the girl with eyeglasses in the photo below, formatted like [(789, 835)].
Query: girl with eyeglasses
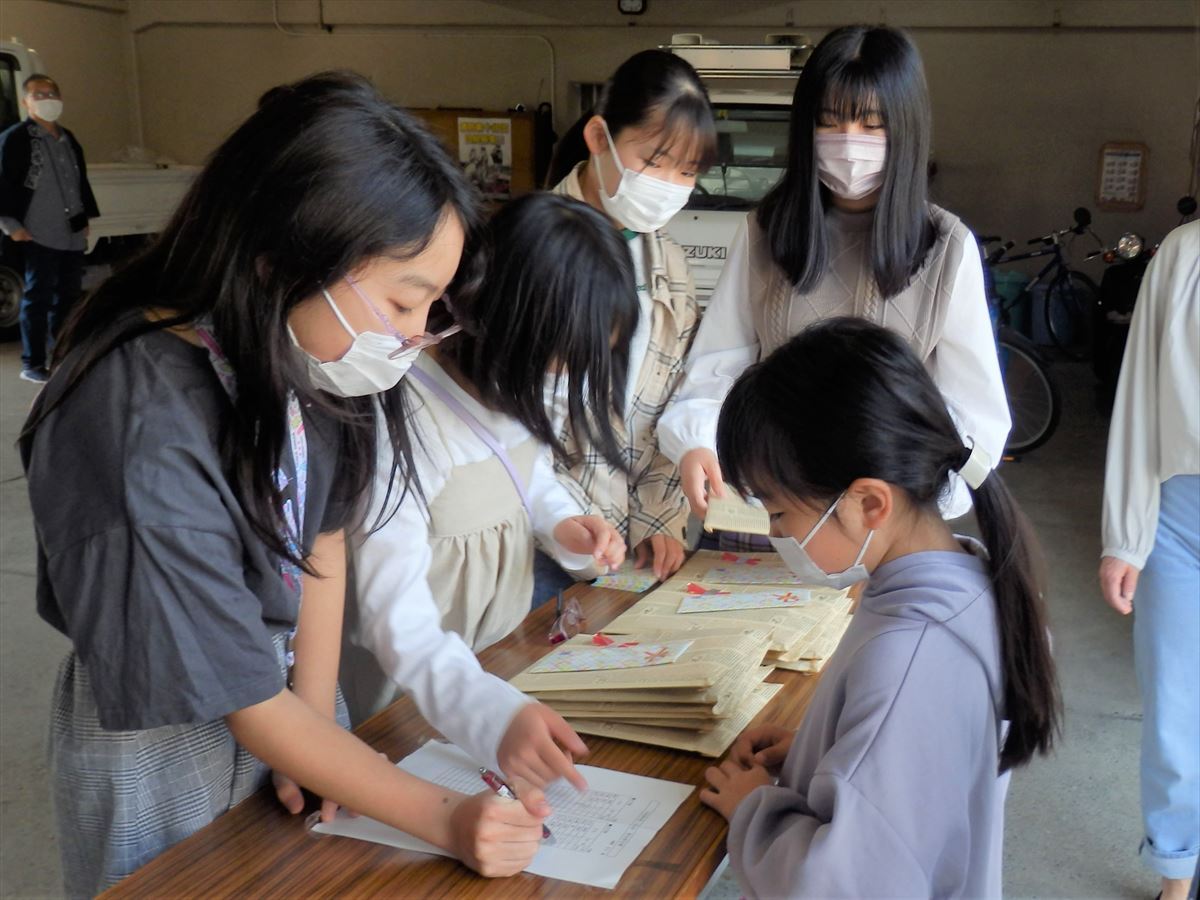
[(210, 431)]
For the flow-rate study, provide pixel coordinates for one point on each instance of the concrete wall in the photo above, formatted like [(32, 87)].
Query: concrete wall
[(86, 45), (1024, 91)]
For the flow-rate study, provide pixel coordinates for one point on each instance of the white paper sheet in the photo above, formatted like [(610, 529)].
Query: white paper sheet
[(597, 835)]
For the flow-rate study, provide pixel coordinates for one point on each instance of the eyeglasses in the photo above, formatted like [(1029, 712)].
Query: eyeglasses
[(568, 619), (44, 95), (417, 341)]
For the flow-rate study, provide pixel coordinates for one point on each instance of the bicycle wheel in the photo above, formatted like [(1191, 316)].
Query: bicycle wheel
[(1069, 309), (1033, 397)]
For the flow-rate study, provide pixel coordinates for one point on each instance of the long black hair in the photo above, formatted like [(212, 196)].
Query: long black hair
[(883, 417), (324, 176), (648, 84), (853, 70), (560, 295)]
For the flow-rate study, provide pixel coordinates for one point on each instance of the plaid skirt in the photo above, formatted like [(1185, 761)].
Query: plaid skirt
[(123, 797)]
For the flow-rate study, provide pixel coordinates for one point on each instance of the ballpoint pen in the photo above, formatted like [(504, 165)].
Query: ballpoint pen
[(492, 780)]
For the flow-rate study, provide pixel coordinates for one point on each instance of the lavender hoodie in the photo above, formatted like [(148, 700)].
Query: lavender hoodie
[(891, 786)]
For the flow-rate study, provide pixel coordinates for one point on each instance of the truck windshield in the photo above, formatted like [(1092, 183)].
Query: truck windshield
[(751, 156)]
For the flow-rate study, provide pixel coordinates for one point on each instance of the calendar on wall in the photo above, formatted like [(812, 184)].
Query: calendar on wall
[(1122, 176)]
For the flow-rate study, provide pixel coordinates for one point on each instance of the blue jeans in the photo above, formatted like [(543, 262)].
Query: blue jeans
[(1166, 651), (53, 282), (548, 578)]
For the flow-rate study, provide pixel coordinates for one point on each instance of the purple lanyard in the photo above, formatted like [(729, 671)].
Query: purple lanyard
[(480, 430)]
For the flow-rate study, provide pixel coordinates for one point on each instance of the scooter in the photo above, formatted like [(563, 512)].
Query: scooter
[(1127, 260)]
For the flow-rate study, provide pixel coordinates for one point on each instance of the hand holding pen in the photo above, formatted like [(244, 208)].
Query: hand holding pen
[(502, 790)]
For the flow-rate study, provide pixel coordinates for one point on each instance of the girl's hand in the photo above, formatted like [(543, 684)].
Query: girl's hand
[(289, 794), (697, 468), (292, 798), (540, 747), (1118, 581), (729, 784), (766, 746), (591, 534), (664, 551), (496, 837)]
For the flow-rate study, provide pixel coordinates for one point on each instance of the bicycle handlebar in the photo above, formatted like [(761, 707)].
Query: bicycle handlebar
[(998, 254), (1052, 237)]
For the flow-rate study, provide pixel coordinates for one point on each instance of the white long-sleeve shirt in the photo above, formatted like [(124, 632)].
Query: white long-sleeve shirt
[(398, 618), (943, 314), (1155, 429)]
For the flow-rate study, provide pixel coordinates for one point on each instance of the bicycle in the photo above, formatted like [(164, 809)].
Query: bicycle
[(1034, 400), (1071, 296)]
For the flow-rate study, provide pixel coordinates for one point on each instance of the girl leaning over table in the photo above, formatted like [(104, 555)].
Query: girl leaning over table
[(205, 439), (450, 568), (894, 786)]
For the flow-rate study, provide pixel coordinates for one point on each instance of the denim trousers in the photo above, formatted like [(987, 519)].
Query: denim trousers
[(53, 282), (1166, 650), (548, 578)]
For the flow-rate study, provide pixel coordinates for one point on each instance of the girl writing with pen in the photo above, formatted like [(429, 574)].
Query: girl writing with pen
[(208, 435)]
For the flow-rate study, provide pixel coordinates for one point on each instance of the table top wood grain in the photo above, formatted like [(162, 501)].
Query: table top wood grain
[(258, 849)]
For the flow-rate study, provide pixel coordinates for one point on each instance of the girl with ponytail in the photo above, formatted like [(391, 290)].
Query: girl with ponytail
[(636, 160), (944, 681)]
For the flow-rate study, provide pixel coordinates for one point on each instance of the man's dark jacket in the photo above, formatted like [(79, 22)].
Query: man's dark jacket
[(19, 176)]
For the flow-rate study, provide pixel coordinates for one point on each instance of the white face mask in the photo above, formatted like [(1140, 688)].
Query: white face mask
[(642, 202), (797, 559), (363, 369), (850, 165), (47, 110)]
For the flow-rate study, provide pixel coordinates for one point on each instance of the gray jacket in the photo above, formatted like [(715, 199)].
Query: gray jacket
[(891, 788)]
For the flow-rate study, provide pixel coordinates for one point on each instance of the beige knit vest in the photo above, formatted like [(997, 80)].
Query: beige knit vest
[(917, 313)]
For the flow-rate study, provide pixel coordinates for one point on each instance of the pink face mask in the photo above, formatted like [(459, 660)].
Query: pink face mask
[(850, 165)]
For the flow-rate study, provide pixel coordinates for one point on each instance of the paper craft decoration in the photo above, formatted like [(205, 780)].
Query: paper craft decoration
[(732, 513), (737, 569), (627, 578), (597, 834), (722, 600), (629, 655)]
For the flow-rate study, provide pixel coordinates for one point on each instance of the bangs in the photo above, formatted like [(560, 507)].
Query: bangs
[(850, 93), (687, 132)]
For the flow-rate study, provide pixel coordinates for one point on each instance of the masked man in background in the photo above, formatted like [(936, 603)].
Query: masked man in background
[(45, 205)]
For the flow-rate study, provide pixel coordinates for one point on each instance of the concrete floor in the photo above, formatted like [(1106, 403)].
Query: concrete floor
[(1073, 823)]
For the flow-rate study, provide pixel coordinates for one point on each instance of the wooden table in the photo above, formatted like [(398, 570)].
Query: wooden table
[(257, 849)]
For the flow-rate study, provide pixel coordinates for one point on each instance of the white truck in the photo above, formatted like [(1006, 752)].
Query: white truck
[(135, 199), (751, 87)]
